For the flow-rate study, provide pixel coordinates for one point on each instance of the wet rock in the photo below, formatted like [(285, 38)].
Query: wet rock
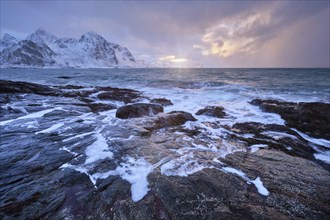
[(161, 101), (186, 115), (34, 184), (7, 86), (31, 187), (12, 207), (10, 110), (174, 118), (107, 93), (202, 196), (124, 95), (5, 98), (311, 118), (138, 110), (98, 107), (70, 87), (82, 93), (292, 182), (276, 137), (33, 200), (214, 111), (64, 77)]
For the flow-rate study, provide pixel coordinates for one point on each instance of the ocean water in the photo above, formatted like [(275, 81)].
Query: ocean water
[(286, 84), (192, 89)]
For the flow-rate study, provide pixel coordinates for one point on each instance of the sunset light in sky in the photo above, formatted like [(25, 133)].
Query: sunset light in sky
[(196, 33)]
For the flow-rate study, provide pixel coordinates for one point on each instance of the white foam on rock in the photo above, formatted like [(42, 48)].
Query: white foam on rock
[(234, 171), (257, 182), (69, 151), (188, 161), (77, 136), (236, 105), (135, 171), (88, 118), (260, 186), (217, 160), (98, 150), (31, 124), (80, 169), (324, 156), (318, 141), (247, 135), (278, 135), (50, 129), (187, 165), (254, 148), (182, 166), (32, 115)]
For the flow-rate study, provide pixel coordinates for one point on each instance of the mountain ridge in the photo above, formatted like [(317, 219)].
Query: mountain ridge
[(42, 49)]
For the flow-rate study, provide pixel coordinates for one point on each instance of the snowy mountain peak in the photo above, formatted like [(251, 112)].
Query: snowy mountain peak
[(41, 36), (7, 41), (92, 37), (8, 37), (42, 49), (92, 34), (41, 31)]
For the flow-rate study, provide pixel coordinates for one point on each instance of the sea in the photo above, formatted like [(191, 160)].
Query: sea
[(193, 89)]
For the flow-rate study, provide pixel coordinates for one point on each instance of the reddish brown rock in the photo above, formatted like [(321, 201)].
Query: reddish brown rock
[(214, 111), (138, 110)]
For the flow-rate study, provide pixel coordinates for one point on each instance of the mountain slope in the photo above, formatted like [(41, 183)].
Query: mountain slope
[(42, 49), (7, 41), (27, 54)]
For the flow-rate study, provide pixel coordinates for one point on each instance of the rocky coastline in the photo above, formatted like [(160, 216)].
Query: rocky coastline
[(74, 152)]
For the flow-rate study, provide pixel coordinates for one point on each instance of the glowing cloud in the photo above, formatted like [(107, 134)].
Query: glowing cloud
[(173, 59), (238, 34)]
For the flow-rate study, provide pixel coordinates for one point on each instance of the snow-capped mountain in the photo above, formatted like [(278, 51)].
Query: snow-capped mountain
[(27, 54), (41, 36), (7, 41), (42, 49)]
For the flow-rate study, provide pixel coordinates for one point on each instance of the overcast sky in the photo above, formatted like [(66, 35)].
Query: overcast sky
[(209, 33)]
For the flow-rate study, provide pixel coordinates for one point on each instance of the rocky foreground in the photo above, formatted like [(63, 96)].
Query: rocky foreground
[(70, 152)]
